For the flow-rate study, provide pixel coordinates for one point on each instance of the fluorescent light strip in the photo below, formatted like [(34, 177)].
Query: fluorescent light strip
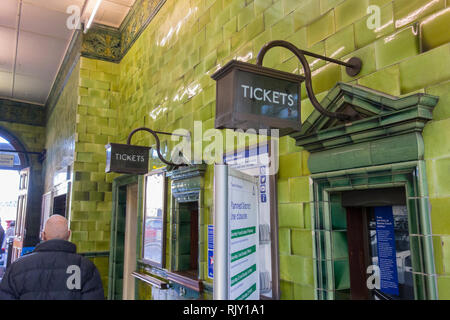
[(94, 12)]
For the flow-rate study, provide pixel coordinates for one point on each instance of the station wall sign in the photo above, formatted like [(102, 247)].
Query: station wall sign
[(7, 160), (124, 158), (254, 97)]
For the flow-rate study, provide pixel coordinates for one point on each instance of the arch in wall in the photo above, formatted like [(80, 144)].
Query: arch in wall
[(17, 145)]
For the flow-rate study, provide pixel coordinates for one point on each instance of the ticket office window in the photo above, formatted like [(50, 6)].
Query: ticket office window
[(153, 235), (188, 239)]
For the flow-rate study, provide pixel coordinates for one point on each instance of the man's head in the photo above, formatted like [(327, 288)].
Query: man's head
[(56, 227)]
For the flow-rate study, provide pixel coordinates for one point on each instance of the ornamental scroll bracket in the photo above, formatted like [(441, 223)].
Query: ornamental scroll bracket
[(353, 68), (158, 144)]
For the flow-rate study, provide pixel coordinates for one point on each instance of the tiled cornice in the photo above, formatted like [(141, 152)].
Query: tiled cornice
[(381, 115), (104, 43), (111, 44), (388, 130)]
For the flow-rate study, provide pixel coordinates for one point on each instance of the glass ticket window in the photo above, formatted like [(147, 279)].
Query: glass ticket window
[(390, 251), (153, 235)]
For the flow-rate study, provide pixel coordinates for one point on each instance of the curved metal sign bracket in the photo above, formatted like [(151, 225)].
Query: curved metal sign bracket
[(158, 144), (353, 68)]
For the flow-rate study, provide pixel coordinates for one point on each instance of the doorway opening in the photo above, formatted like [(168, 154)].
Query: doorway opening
[(335, 194), (10, 196), (9, 182), (379, 245), (9, 193), (124, 242)]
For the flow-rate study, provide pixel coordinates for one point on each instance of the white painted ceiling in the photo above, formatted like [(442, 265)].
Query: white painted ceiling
[(34, 38)]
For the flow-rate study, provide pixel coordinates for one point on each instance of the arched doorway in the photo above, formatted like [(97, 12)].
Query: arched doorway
[(8, 144), (14, 182)]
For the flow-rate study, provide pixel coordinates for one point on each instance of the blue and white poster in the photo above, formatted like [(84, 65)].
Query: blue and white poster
[(210, 251), (387, 258)]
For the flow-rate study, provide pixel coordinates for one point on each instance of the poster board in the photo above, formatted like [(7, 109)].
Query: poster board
[(243, 236), (259, 161)]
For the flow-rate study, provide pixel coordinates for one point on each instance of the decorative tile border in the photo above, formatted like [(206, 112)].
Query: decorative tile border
[(111, 44), (140, 15), (21, 112), (102, 42)]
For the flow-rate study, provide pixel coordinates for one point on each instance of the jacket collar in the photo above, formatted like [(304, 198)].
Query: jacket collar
[(56, 245)]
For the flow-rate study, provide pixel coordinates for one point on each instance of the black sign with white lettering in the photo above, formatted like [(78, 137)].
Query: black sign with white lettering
[(255, 97), (124, 158), (267, 96)]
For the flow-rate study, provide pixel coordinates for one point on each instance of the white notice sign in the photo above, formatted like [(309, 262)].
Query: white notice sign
[(243, 237), (6, 160)]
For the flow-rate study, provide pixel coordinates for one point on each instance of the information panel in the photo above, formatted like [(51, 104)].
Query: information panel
[(387, 260), (210, 251), (253, 161), (243, 235)]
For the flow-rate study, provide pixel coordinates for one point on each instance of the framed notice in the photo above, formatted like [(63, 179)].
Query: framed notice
[(153, 234), (387, 256), (243, 237), (259, 161)]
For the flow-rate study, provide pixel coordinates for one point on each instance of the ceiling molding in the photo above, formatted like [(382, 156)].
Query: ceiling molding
[(103, 43), (112, 44)]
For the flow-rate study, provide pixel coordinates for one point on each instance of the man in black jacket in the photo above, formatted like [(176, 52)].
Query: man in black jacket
[(53, 271), (2, 236)]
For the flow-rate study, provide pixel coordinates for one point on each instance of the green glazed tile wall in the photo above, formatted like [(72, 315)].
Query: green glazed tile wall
[(96, 123), (60, 130), (164, 83)]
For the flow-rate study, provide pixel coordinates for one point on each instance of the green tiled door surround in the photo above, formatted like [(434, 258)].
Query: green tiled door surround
[(116, 251), (384, 149), (332, 279)]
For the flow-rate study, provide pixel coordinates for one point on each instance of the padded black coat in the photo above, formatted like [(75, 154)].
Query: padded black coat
[(46, 274)]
